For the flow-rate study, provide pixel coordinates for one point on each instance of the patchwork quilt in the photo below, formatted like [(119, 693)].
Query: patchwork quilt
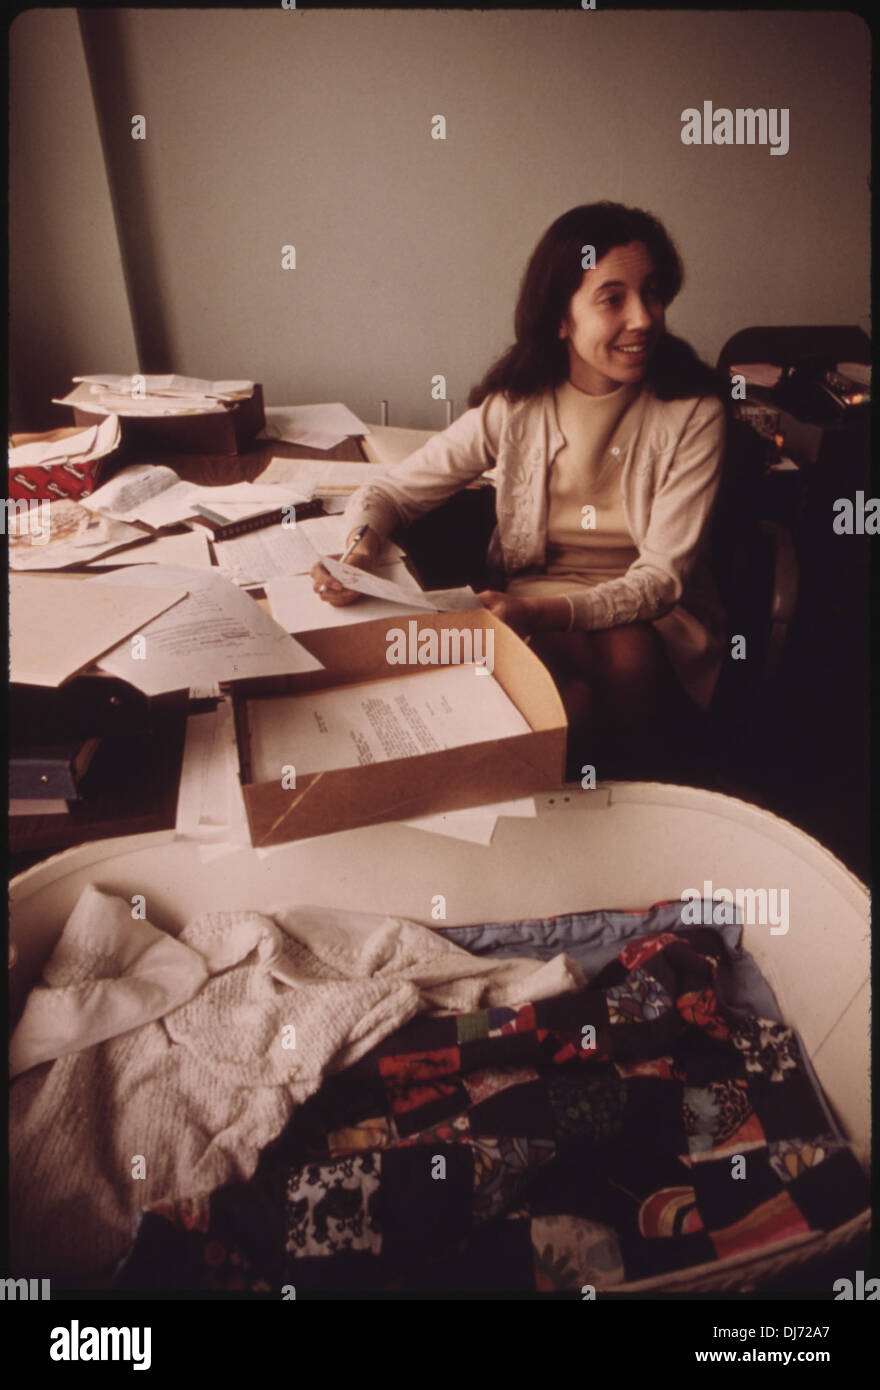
[(631, 1129)]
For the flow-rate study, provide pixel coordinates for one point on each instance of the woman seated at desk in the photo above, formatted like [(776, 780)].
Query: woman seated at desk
[(607, 434)]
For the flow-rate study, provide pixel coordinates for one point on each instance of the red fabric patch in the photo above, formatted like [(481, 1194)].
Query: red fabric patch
[(637, 952), (777, 1219), (408, 1067), (654, 1066), (412, 1079), (404, 1098), (701, 1008), (525, 1021)]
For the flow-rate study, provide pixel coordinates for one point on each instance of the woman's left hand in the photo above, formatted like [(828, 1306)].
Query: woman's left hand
[(516, 612)]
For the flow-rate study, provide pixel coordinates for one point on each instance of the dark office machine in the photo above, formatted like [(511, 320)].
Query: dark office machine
[(817, 416), (798, 727)]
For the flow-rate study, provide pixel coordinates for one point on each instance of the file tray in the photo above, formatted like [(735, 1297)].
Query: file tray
[(402, 788), (228, 431)]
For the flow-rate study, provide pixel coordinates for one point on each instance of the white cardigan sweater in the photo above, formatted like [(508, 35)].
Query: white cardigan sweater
[(671, 453)]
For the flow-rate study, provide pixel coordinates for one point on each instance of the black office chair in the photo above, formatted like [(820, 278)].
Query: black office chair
[(448, 545)]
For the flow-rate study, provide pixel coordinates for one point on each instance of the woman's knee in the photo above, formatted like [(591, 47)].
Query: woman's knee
[(630, 659), (564, 654)]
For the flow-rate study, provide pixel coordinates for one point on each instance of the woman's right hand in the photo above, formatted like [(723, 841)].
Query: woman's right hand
[(363, 556)]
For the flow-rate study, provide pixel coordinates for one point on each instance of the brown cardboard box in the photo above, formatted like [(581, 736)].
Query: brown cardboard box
[(226, 432), (404, 788)]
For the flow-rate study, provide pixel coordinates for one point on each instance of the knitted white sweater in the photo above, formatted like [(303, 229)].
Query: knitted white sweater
[(158, 1068), (669, 455)]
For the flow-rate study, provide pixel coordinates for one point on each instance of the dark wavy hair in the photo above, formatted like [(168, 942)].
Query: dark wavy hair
[(538, 358)]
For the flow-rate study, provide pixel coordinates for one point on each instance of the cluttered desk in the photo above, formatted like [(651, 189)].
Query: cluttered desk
[(148, 589), (288, 828)]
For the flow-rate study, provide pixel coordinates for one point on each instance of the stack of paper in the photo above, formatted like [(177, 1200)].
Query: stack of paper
[(155, 495), (323, 730), (139, 395), (216, 633), (317, 426)]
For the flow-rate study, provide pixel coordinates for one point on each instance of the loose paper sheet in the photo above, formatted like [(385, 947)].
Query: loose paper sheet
[(59, 625), (217, 634), (53, 451), (190, 550), (329, 536), (474, 823), (277, 551), (59, 534), (364, 582), (325, 477), (139, 492), (388, 444), (295, 423), (378, 721), (264, 495), (92, 442), (297, 607), (210, 805), (265, 554)]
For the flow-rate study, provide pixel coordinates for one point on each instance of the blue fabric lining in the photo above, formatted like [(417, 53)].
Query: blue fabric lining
[(593, 939)]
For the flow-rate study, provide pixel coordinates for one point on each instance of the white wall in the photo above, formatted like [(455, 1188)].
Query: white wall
[(67, 299), (313, 128)]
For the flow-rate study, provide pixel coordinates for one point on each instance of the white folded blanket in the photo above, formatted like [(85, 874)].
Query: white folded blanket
[(152, 1067)]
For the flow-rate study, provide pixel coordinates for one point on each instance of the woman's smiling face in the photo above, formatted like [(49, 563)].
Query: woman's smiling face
[(614, 320)]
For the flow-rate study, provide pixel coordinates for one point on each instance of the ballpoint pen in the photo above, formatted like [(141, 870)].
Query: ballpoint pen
[(358, 536)]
